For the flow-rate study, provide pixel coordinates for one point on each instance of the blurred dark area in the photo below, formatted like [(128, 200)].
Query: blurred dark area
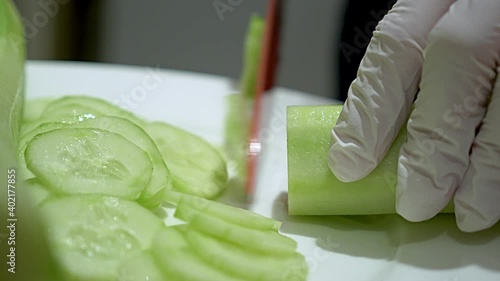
[(206, 36)]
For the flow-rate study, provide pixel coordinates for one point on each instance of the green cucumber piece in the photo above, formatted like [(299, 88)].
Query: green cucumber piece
[(92, 235), (253, 45), (197, 167), (240, 105), (243, 262), (225, 212), (263, 241), (312, 187), (171, 237), (82, 161)]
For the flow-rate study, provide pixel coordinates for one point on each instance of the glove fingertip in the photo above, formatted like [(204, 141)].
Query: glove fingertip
[(349, 165)]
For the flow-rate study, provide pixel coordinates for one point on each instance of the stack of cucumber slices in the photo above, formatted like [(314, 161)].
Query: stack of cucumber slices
[(97, 174)]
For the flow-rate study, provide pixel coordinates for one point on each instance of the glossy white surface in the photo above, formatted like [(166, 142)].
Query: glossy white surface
[(370, 248)]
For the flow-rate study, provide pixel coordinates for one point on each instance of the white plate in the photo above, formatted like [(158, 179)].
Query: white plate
[(337, 248)]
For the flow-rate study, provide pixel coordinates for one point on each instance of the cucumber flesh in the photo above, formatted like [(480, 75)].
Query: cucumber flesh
[(92, 234), (197, 167), (262, 241), (161, 178), (184, 265), (312, 187), (82, 161)]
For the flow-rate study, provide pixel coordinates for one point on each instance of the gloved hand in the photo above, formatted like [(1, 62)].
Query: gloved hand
[(448, 51)]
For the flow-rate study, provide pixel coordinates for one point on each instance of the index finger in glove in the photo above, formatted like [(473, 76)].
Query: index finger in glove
[(380, 97)]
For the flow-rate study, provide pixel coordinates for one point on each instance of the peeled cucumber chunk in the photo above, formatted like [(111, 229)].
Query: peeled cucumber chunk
[(92, 235), (83, 161), (246, 263), (197, 167), (312, 187), (261, 241), (225, 212)]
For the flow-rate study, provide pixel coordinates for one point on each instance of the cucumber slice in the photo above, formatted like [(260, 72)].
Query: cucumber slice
[(262, 241), (197, 167), (69, 114), (80, 161), (96, 104), (177, 260), (243, 262), (161, 179), (91, 235), (152, 195), (227, 213), (34, 108), (141, 267)]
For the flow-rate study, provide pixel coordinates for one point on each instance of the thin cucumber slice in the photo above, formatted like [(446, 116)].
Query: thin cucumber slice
[(243, 262), (197, 167), (91, 235), (171, 237), (34, 108), (97, 104), (263, 241), (173, 256), (141, 267), (161, 178), (37, 192), (69, 114), (184, 265), (228, 213), (82, 161), (25, 138)]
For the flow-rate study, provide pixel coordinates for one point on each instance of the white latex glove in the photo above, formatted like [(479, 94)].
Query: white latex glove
[(451, 51)]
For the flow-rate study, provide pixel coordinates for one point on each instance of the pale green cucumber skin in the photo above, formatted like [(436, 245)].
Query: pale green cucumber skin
[(127, 182), (196, 166), (312, 187), (92, 235)]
